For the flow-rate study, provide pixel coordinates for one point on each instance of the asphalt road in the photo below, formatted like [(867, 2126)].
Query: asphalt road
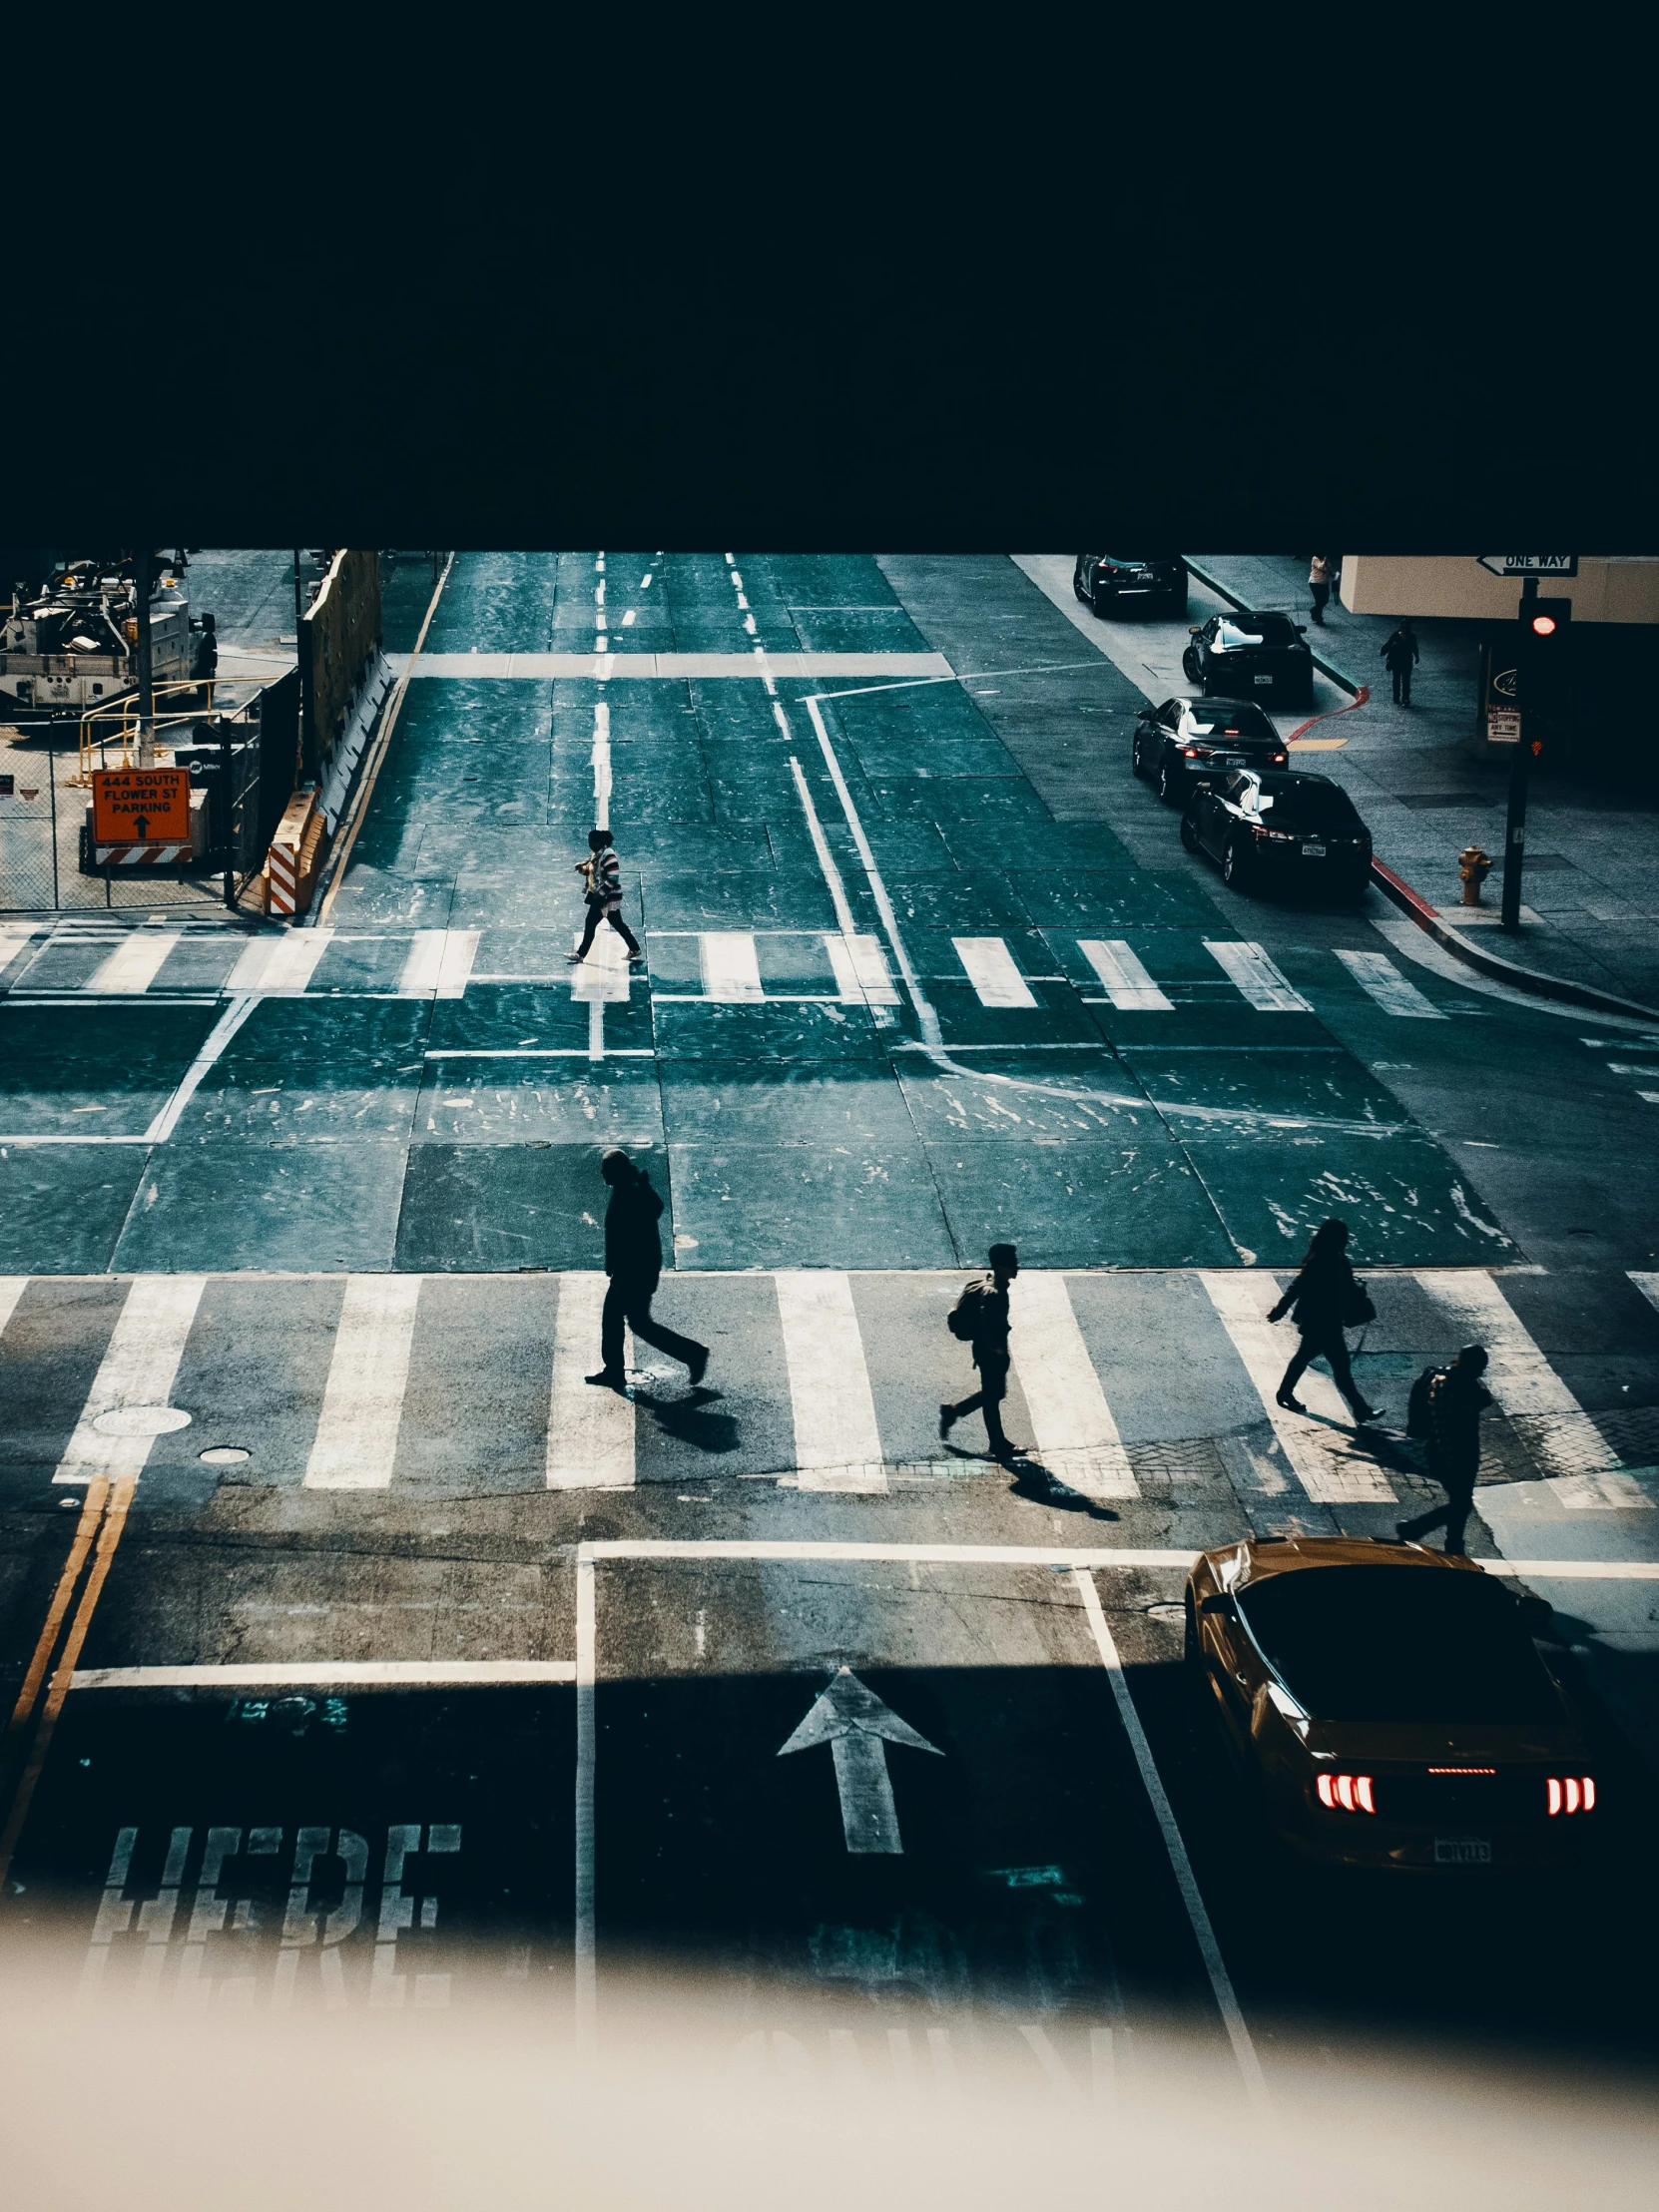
[(318, 1546)]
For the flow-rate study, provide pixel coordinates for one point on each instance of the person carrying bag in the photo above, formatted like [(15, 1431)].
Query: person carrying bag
[(1326, 1299)]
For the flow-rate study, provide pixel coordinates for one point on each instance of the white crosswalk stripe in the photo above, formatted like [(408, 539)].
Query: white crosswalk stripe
[(601, 979), (1588, 1473), (14, 935), (1075, 1434), (730, 966), (1248, 966), (837, 1446), (1331, 1471), (590, 1430), (992, 969), (1377, 976), (135, 1379), (12, 1287), (134, 964), (284, 964), (1122, 976), (438, 963), (363, 1405), (1648, 1285), (861, 968)]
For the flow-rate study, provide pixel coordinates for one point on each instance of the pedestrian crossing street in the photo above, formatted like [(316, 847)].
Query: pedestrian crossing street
[(98, 958), (1153, 1386)]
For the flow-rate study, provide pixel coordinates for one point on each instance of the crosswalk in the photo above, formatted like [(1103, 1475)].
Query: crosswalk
[(1124, 1385), (105, 962)]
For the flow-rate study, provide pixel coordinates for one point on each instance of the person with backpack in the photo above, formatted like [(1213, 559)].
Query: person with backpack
[(634, 1262), (1445, 1413), (1326, 1300), (604, 878), (981, 1318), (1400, 655)]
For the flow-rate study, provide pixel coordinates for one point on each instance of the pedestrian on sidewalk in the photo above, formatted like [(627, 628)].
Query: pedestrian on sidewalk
[(1318, 583), (634, 1262), (1326, 1299), (1401, 654), (1456, 1399), (604, 881), (981, 1318)]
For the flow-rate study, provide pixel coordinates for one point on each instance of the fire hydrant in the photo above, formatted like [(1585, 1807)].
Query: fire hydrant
[(1473, 867)]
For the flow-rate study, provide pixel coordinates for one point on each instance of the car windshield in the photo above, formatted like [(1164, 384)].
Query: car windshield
[(1219, 718), (1295, 804), (1234, 631), (1399, 1643)]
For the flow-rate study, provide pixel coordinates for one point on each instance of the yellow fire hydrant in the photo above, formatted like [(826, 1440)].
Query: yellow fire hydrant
[(1473, 867)]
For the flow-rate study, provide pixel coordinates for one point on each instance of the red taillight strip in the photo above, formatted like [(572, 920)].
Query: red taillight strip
[(1345, 1793)]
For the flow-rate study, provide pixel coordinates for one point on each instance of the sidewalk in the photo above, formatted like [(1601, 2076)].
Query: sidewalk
[(1591, 886)]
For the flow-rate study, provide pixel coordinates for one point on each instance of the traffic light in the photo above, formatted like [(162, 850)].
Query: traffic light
[(1545, 684)]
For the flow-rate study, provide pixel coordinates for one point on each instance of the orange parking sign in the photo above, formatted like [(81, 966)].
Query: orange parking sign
[(140, 806)]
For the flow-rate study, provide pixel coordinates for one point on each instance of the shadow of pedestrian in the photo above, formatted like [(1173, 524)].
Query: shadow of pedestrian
[(690, 1420), (1033, 1481)]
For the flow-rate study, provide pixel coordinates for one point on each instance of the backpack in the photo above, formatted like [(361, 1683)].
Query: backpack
[(965, 1319), (1420, 1421)]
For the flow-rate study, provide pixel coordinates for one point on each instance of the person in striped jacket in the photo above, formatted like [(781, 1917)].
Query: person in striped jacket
[(604, 878)]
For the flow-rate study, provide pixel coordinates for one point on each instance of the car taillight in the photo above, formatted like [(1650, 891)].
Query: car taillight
[(1190, 752), (1573, 1793), (1347, 1793), (1280, 758)]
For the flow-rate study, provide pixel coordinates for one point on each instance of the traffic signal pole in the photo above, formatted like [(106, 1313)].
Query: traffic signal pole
[(1514, 832)]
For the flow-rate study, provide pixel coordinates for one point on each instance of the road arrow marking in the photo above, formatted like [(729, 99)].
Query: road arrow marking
[(853, 1722)]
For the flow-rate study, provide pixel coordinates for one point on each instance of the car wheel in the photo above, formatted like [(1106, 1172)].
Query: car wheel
[(1189, 665), (1189, 830), (1169, 785), (1098, 604), (1077, 591), (1235, 868), (1137, 759)]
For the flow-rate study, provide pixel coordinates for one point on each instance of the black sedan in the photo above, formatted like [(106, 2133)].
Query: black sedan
[(1262, 657), (1121, 583), (1188, 742), (1274, 826)]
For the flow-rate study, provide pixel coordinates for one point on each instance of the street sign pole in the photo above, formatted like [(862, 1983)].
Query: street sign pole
[(1514, 832), (146, 677)]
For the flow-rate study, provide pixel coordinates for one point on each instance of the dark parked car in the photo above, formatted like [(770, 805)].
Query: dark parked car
[(1269, 825), (1188, 742), (1262, 657), (1119, 583)]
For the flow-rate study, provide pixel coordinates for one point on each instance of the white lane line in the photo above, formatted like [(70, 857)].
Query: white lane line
[(461, 949), (134, 963), (1220, 1981), (213, 1044), (861, 973), (1625, 1067), (1248, 966), (325, 1674), (138, 1370), (541, 1052), (601, 979), (1076, 1438), (590, 1430), (14, 935), (821, 844), (12, 1287), (284, 964), (1331, 1471), (1122, 977), (992, 969), (1647, 1284), (1377, 976), (731, 968), (1058, 1557), (600, 757), (1584, 1470), (1652, 1097), (355, 1446), (837, 1446)]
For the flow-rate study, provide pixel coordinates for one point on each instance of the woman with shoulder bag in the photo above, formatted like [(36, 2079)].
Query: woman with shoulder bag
[(1326, 1300)]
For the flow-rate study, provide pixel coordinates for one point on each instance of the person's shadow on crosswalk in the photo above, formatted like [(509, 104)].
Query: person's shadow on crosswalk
[(689, 1419)]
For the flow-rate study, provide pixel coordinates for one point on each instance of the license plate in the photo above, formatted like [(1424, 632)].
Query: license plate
[(1313, 852), (1462, 1850), (1261, 679)]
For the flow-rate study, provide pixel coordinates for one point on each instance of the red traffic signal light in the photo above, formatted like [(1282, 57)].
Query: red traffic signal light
[(1543, 626)]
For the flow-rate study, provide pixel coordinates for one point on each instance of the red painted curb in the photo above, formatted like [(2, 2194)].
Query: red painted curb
[(1417, 909)]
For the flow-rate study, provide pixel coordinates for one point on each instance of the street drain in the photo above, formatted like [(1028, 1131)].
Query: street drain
[(140, 1421)]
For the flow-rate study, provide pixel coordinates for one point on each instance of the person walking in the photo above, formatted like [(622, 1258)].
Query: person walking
[(1400, 656), (1318, 583), (1456, 1399), (981, 1318), (1324, 1298), (634, 1262), (603, 879)]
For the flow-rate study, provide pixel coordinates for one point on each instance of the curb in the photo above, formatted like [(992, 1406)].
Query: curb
[(1413, 904), (1339, 677)]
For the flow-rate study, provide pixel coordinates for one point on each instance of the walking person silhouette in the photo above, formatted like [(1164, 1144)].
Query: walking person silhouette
[(634, 1262), (604, 878), (1325, 1297)]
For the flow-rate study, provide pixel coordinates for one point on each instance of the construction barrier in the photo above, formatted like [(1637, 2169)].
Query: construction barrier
[(295, 855)]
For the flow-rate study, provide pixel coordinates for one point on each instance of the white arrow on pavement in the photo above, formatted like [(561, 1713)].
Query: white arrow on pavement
[(853, 1722)]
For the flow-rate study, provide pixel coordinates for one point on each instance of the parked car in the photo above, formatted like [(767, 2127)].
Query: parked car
[(1274, 825), (1389, 1706), (1189, 741), (1120, 583), (1262, 657)]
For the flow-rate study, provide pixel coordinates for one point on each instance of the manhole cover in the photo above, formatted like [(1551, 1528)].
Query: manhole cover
[(140, 1421), (223, 1456)]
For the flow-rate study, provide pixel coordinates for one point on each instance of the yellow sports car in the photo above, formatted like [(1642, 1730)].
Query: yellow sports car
[(1387, 1705)]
